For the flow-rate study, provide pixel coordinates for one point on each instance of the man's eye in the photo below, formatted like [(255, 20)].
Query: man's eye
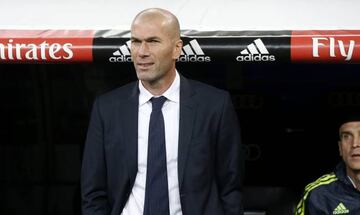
[(135, 41), (346, 137)]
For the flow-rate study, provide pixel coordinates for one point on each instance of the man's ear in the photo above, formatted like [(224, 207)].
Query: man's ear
[(178, 48)]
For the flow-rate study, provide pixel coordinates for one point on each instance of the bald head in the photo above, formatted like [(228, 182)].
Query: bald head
[(167, 21)]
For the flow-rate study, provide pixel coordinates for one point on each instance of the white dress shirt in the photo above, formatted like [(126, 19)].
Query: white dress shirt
[(171, 112)]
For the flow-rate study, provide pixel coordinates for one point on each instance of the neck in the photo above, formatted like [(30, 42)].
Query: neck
[(158, 87), (355, 177)]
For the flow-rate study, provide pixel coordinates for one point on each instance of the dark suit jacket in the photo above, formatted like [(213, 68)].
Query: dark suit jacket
[(210, 161)]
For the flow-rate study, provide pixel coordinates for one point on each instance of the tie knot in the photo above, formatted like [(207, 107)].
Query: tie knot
[(158, 102)]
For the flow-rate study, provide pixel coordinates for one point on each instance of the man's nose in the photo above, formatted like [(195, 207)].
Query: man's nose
[(356, 142), (143, 49)]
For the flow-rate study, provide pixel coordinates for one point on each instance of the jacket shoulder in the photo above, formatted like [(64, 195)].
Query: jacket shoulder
[(315, 190), (118, 94), (206, 89)]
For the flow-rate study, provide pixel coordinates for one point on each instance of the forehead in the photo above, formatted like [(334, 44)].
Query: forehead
[(350, 126), (144, 27)]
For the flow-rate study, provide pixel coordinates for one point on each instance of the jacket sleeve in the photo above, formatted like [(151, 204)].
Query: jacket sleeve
[(307, 207), (93, 172), (300, 208), (230, 160)]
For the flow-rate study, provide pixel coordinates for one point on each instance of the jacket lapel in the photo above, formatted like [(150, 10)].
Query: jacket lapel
[(187, 116), (130, 137)]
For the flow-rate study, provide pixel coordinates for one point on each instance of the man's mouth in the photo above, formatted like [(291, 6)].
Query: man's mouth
[(144, 65), (355, 155)]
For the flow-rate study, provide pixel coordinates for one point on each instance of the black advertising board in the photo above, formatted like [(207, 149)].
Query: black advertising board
[(66, 46)]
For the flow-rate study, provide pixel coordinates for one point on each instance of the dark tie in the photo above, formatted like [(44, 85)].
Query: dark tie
[(156, 190)]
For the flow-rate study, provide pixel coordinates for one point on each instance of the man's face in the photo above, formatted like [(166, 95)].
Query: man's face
[(349, 145), (153, 49)]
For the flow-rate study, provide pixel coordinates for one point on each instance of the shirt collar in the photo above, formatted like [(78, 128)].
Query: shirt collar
[(172, 93), (352, 182), (340, 172)]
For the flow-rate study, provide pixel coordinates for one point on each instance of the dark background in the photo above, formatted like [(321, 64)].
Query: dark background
[(288, 115)]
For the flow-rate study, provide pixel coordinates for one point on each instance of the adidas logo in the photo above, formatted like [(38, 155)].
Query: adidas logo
[(122, 54), (341, 209), (193, 53), (255, 51)]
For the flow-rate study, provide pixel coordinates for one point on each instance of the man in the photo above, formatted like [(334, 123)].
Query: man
[(338, 192), (196, 169)]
